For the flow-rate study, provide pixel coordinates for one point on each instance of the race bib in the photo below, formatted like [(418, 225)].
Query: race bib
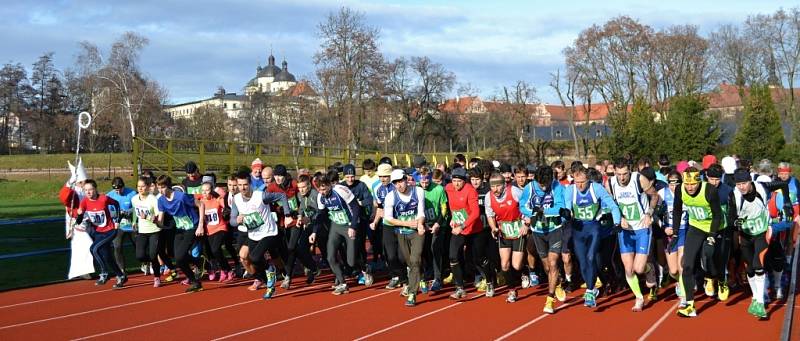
[(430, 213), (184, 223), (142, 213), (460, 216), (756, 225), (697, 213), (98, 219), (339, 217), (585, 213), (407, 216), (511, 229), (252, 220), (212, 217), (293, 204), (631, 212)]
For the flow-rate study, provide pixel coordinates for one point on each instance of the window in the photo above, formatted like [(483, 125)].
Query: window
[(598, 133), (558, 133), (234, 105), (225, 105)]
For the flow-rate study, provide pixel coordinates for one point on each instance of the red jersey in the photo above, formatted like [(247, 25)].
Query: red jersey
[(98, 213), (508, 209), (464, 208), (213, 215)]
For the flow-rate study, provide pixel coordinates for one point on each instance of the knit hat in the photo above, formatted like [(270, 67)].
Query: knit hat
[(349, 169), (682, 165), (280, 170), (257, 164), (460, 173), (709, 160), (741, 175)]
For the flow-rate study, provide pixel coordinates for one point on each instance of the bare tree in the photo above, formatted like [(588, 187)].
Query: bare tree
[(737, 58), (565, 87), (14, 93)]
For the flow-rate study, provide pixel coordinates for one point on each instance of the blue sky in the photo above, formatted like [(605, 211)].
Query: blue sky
[(197, 45)]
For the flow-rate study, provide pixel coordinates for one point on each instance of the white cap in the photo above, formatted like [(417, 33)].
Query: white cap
[(397, 174), (496, 164), (728, 164), (763, 178)]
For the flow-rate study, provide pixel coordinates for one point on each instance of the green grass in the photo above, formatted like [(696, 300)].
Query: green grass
[(32, 237), (44, 161), (37, 197)]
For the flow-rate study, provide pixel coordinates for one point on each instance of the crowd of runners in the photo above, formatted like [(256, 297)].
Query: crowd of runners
[(711, 228)]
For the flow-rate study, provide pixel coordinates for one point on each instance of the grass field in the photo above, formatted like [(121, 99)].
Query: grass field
[(45, 161)]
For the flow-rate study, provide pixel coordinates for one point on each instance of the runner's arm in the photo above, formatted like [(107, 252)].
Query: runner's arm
[(716, 209), (234, 216), (280, 198), (607, 201), (733, 214), (524, 199), (677, 207)]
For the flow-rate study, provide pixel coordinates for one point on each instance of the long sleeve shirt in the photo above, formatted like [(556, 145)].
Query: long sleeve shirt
[(465, 202)]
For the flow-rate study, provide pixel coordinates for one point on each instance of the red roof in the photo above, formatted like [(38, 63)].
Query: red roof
[(460, 105), (597, 112), (727, 96), (301, 89)]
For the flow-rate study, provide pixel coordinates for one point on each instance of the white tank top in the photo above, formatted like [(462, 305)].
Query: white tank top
[(258, 222), (631, 200)]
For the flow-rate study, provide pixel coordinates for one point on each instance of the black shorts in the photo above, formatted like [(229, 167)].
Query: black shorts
[(241, 239), (550, 242), (516, 245)]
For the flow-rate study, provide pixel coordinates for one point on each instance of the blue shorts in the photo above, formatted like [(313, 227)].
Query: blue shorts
[(637, 241), (676, 242)]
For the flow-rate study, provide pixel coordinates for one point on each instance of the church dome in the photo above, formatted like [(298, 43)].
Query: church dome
[(284, 75), (271, 70)]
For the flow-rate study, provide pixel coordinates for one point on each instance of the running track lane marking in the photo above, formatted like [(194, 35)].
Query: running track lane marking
[(526, 325), (407, 321), (69, 296), (91, 311), (195, 313), (304, 315), (659, 322)]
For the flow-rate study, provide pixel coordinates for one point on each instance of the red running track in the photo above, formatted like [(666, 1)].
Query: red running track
[(80, 310)]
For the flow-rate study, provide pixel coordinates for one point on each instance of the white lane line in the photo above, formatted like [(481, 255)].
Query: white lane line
[(68, 296), (529, 323), (197, 313), (407, 321), (659, 322), (305, 315)]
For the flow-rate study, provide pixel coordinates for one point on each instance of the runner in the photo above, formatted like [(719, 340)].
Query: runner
[(216, 228), (145, 211), (466, 230), (255, 173), (542, 204), (242, 251), (631, 190), (781, 211), (749, 213), (505, 220), (397, 272), (404, 208), (95, 217), (252, 209), (478, 179), (372, 181), (81, 262), (435, 223), (308, 211), (282, 182), (340, 206), (676, 233), (785, 174), (193, 181), (123, 195), (584, 200), (716, 258), (702, 204), (184, 210), (365, 204)]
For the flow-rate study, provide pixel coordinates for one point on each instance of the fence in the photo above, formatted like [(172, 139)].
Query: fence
[(169, 155)]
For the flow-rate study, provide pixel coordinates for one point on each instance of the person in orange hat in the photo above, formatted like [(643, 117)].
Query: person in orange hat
[(255, 173)]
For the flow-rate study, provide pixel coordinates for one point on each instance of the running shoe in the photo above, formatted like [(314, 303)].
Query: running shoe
[(368, 279), (687, 311), (481, 286), (121, 280), (489, 289), (779, 293), (534, 278), (548, 305), (709, 287), (448, 279), (185, 282), (638, 305), (752, 308), (393, 283), (411, 300), (423, 287), (404, 292), (512, 296), (231, 276), (101, 280), (271, 277), (286, 283), (341, 289), (163, 270), (360, 279), (436, 285), (458, 294), (759, 310), (145, 269), (598, 283), (156, 282), (268, 293), (195, 287), (526, 282), (589, 299), (255, 286), (312, 276), (170, 276), (223, 276), (653, 295), (723, 291), (561, 295), (212, 275)]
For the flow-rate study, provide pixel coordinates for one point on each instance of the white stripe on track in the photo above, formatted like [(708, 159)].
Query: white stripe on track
[(69, 296), (529, 323), (407, 321), (304, 315), (659, 322), (197, 313)]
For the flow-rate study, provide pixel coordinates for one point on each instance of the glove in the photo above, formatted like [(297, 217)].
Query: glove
[(738, 223), (711, 240), (565, 213), (226, 213), (788, 211)]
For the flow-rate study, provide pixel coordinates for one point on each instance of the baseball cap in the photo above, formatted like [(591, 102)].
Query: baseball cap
[(384, 170), (398, 174)]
